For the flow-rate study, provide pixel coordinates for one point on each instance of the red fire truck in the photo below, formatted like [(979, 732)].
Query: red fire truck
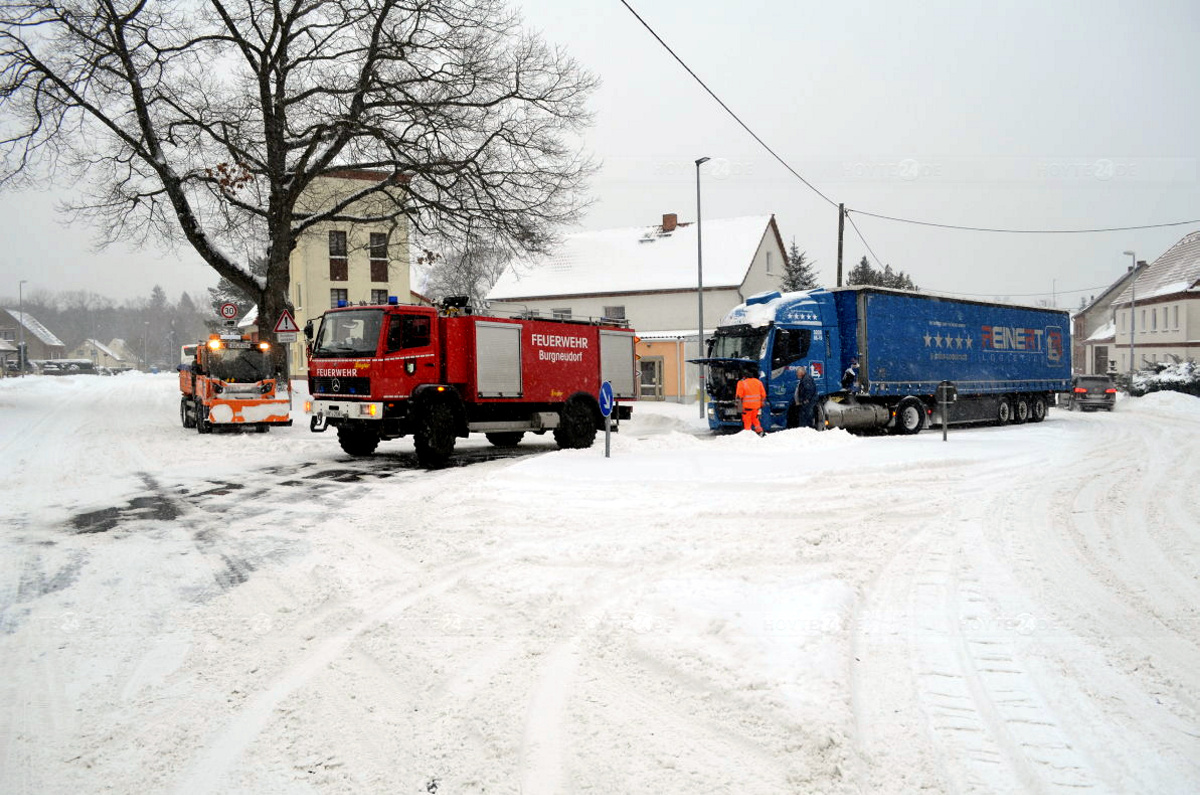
[(382, 372)]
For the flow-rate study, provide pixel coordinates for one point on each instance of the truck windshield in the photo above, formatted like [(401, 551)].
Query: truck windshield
[(235, 365), (350, 333), (738, 342)]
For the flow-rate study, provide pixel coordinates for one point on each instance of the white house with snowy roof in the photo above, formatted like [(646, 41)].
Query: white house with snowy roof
[(647, 275), (1158, 314), (100, 355), (40, 342)]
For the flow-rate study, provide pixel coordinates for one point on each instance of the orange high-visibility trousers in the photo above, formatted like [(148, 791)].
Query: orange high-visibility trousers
[(750, 421), (752, 393)]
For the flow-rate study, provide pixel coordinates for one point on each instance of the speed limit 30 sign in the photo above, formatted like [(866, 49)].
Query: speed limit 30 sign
[(229, 311)]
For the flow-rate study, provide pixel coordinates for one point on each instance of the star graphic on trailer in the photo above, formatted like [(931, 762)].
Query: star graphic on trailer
[(927, 339)]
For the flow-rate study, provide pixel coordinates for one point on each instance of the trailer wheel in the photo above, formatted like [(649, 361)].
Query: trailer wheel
[(505, 438), (1020, 410), (1037, 409), (434, 436), (910, 417), (187, 419), (202, 423), (1004, 412), (576, 425), (357, 442)]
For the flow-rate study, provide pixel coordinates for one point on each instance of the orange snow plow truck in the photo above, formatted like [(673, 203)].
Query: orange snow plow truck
[(229, 382)]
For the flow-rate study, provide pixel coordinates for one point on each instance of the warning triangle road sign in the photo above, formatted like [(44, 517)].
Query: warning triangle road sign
[(286, 323)]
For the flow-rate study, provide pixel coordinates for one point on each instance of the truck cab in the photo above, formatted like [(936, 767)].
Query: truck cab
[(230, 381), (772, 335)]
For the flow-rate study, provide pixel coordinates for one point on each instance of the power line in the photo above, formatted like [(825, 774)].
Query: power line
[(712, 94), (1024, 231), (864, 240), (896, 219)]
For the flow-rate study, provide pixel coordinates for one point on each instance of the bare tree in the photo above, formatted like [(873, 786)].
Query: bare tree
[(209, 121), (468, 267)]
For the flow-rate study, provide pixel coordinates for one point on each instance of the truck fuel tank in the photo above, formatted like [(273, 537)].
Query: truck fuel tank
[(855, 416)]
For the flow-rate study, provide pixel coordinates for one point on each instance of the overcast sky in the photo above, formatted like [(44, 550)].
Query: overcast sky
[(1018, 115)]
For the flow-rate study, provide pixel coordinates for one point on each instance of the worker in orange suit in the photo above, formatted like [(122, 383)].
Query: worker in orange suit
[(751, 395)]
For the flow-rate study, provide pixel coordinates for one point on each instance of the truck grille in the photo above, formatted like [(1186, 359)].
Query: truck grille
[(341, 386)]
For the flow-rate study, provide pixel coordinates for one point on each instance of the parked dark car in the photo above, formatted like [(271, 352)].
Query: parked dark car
[(1092, 392)]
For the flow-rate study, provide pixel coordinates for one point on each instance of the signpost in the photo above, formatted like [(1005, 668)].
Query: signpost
[(286, 328), (947, 393), (606, 407)]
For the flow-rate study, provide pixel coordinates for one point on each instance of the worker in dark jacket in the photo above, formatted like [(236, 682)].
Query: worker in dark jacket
[(850, 377), (751, 395), (805, 398)]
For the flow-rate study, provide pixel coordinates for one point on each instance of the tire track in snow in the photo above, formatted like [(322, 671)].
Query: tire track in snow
[(208, 770)]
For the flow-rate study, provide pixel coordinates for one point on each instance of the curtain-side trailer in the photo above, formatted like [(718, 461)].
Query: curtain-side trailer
[(1004, 361)]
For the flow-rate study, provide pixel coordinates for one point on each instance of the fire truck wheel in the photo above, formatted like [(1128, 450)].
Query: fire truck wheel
[(202, 423), (434, 436), (505, 438), (576, 425), (188, 420), (356, 442)]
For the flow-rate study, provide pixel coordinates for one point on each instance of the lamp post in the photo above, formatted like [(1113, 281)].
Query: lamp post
[(1132, 315), (700, 284), (21, 325)]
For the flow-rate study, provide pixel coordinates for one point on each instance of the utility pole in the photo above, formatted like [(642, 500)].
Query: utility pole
[(841, 235)]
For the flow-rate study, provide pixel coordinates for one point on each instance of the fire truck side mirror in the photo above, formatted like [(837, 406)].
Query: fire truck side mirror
[(308, 330)]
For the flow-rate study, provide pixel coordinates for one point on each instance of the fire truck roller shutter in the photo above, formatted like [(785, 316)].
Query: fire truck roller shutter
[(498, 359), (617, 362)]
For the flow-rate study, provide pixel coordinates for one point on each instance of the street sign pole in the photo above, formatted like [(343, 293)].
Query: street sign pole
[(607, 402)]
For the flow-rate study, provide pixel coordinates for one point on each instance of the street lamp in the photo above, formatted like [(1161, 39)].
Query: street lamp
[(700, 284), (21, 325), (1132, 314)]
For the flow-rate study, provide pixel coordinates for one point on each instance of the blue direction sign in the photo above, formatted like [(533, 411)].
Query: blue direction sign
[(606, 398)]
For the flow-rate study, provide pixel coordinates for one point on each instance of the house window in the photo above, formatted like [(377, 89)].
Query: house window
[(1122, 317), (562, 313), (379, 256), (379, 296), (338, 264), (8, 334), (336, 295), (768, 262), (1143, 323), (614, 312), (299, 303), (1177, 317)]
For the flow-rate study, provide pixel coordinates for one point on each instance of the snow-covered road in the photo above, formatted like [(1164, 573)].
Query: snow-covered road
[(1014, 610)]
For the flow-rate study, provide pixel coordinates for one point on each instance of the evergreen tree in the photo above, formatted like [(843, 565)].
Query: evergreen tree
[(799, 273), (864, 275)]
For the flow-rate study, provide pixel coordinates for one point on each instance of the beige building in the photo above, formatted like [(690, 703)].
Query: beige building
[(1093, 329), (100, 355), (647, 275), (1158, 315), (341, 261)]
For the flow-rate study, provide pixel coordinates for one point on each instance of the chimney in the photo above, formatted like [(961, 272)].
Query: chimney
[(670, 221)]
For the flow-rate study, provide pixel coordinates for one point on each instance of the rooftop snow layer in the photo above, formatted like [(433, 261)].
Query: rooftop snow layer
[(637, 259), (35, 328), (1176, 271)]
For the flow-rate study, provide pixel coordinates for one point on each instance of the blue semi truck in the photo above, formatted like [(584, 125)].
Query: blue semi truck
[(1004, 362)]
